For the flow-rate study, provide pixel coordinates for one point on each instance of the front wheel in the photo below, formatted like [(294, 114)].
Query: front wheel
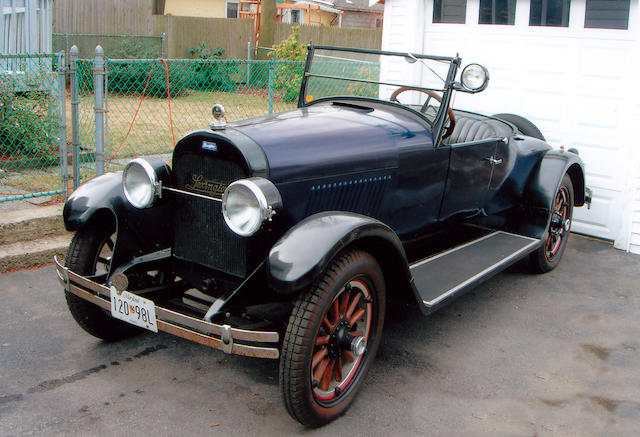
[(90, 254), (547, 257), (332, 337)]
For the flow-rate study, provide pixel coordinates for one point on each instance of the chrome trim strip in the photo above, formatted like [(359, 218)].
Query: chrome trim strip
[(479, 275), (100, 295), (189, 193)]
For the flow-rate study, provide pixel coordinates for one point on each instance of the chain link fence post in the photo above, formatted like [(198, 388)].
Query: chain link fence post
[(270, 110), (248, 63), (62, 120), (98, 88), (75, 134), (163, 41)]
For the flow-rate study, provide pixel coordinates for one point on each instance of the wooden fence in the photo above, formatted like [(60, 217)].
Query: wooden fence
[(136, 17)]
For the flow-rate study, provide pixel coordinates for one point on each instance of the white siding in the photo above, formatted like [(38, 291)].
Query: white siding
[(634, 241), (574, 83)]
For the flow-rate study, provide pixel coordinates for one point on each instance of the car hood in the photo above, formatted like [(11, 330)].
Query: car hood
[(328, 139)]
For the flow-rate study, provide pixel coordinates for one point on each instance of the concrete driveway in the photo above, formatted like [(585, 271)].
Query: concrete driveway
[(522, 355)]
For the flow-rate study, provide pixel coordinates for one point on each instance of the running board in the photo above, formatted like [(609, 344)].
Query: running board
[(442, 277)]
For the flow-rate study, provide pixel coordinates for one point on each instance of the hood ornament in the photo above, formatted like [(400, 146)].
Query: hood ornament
[(219, 117)]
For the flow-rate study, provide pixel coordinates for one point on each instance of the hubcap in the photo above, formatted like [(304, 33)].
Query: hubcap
[(342, 341)]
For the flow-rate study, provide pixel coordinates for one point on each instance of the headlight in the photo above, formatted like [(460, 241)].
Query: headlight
[(474, 77), (247, 203), (141, 182)]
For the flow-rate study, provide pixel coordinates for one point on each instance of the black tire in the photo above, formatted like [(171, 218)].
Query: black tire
[(547, 257), (524, 126), (354, 276), (86, 255)]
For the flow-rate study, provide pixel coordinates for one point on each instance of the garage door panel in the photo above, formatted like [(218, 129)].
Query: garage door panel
[(596, 221)]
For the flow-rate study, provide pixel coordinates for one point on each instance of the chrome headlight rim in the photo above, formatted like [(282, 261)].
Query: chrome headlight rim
[(153, 182), (481, 69), (267, 200)]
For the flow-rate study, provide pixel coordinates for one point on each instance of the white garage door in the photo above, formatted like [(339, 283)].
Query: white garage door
[(571, 79)]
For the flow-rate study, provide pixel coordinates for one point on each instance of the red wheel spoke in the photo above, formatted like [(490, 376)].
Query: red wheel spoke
[(348, 355), (322, 340), (345, 302), (356, 316), (319, 356), (326, 378), (326, 324), (353, 304), (357, 333), (335, 311), (317, 375), (337, 372)]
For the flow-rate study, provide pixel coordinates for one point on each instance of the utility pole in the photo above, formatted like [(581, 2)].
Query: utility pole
[(267, 26)]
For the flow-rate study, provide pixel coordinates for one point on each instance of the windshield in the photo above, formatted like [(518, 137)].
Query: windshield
[(412, 80)]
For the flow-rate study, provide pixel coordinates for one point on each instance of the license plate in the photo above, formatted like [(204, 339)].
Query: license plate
[(133, 309)]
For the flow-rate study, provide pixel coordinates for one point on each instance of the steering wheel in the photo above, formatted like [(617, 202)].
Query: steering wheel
[(452, 118)]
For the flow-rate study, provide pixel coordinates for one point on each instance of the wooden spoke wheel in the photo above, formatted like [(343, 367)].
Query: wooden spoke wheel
[(332, 336), (548, 256)]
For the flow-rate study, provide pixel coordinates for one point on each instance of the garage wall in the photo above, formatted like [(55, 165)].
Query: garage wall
[(634, 242), (574, 83)]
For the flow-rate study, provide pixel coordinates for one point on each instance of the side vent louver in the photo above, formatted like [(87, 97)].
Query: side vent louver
[(361, 195)]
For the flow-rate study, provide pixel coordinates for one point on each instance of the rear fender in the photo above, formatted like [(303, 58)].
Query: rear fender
[(138, 231), (543, 184), (305, 251)]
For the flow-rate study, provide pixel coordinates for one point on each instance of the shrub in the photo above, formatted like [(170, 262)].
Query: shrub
[(28, 123), (213, 73), (288, 75)]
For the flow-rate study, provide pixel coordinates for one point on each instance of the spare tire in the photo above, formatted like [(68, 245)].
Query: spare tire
[(524, 126)]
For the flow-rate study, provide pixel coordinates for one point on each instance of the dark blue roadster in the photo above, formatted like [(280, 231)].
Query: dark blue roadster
[(372, 191)]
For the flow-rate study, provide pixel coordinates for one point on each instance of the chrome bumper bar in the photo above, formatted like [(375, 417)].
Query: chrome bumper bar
[(174, 323)]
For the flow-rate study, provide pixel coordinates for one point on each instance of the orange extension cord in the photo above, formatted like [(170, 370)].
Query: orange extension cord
[(146, 85)]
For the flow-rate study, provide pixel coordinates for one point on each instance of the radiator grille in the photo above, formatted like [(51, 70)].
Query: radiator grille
[(200, 233)]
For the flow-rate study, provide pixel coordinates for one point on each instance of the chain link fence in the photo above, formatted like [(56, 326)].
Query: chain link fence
[(30, 156), (148, 105)]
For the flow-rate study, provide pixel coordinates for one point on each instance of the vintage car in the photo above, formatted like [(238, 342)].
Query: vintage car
[(328, 213)]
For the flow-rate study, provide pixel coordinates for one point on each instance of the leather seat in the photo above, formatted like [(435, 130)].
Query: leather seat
[(469, 128)]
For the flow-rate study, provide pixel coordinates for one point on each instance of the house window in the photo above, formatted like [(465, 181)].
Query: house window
[(497, 12), (449, 11), (296, 16), (607, 14), (232, 9), (158, 7), (554, 13)]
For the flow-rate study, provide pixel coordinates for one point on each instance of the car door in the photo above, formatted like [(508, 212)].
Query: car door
[(468, 179)]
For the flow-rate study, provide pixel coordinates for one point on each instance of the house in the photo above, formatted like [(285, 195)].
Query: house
[(358, 13), (25, 26), (568, 66), (347, 13)]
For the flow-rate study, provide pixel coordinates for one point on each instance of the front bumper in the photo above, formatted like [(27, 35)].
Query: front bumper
[(222, 337)]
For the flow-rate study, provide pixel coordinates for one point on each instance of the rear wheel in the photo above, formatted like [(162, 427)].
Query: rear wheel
[(90, 254), (548, 256), (332, 338)]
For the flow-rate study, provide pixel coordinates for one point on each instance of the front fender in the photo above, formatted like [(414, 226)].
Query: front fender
[(304, 252), (542, 187), (138, 231)]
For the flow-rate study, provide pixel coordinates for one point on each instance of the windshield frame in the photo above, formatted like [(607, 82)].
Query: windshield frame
[(437, 126)]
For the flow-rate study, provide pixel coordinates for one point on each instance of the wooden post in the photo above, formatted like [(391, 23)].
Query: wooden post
[(267, 26)]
